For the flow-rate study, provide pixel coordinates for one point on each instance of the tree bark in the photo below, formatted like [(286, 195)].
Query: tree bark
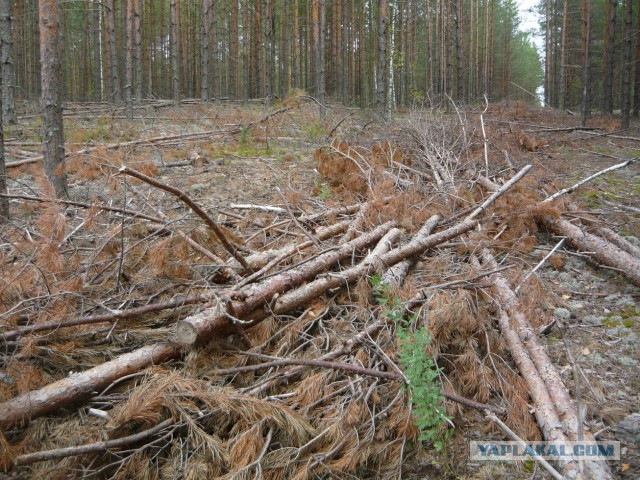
[(205, 46), (137, 50), (114, 85), (586, 61), (51, 99), (608, 56), (626, 64), (602, 251), (636, 89), (246, 84), (80, 386), (6, 58), (128, 71), (4, 202), (175, 72), (233, 51), (382, 80), (563, 57)]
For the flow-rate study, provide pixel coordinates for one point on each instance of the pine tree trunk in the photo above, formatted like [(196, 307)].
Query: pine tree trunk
[(636, 89), (626, 64), (268, 57), (98, 83), (608, 56), (205, 46), (563, 58), (114, 86), (362, 57), (459, 65), (128, 89), (4, 202), (6, 45), (296, 46), (382, 80), (586, 62), (175, 73), (246, 84), (215, 54), (233, 51), (51, 99), (137, 50)]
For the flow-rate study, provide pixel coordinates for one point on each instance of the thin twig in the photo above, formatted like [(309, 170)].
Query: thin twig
[(554, 473), (537, 267)]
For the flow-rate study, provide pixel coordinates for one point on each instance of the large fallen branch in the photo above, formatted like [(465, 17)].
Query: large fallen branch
[(599, 249), (104, 317), (229, 247), (544, 410)]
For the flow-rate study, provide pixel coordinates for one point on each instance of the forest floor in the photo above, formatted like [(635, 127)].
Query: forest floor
[(67, 261)]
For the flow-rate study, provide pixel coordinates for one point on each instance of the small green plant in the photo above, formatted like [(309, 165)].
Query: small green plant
[(243, 136), (324, 192), (314, 130), (419, 369)]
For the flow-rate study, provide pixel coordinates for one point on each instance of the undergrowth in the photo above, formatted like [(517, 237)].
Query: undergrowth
[(420, 370)]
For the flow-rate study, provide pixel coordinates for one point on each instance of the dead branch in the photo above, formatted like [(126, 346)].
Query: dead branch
[(116, 146), (269, 259), (544, 410), (601, 250), (588, 179), (310, 363), (554, 473), (105, 317), (74, 203), (307, 234), (500, 191), (98, 447), (398, 272), (229, 247), (619, 241)]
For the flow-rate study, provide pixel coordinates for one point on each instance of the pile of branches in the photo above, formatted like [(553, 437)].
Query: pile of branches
[(141, 344)]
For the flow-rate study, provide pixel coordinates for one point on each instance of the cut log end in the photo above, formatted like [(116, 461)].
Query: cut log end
[(185, 334)]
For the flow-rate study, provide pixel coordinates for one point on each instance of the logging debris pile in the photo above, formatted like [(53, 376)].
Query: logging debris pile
[(152, 337)]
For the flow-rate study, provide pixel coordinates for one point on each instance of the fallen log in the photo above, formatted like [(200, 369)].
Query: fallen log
[(79, 386), (544, 411), (561, 400), (104, 317), (223, 319), (599, 249)]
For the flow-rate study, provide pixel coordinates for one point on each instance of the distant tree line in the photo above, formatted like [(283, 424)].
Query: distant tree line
[(382, 53), (592, 55)]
